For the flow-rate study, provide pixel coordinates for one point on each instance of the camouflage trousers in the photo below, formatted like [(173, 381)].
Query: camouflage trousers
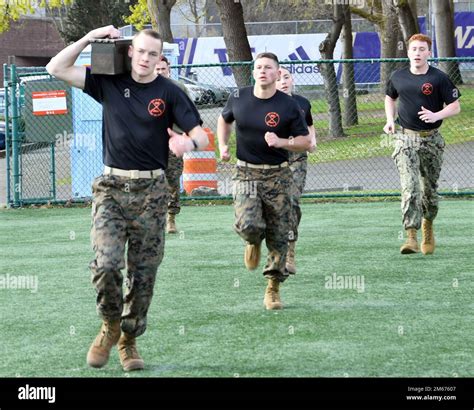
[(173, 174), (127, 213), (419, 161), (299, 168), (262, 211)]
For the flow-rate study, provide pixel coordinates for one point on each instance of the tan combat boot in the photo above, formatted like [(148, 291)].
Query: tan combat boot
[(252, 256), (272, 299), (99, 351), (171, 224), (428, 241), (290, 258), (411, 244), (128, 353)]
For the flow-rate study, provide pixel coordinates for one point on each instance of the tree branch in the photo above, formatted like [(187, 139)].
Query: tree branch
[(377, 18)]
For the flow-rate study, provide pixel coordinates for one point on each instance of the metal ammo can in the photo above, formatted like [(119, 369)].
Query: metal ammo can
[(110, 56)]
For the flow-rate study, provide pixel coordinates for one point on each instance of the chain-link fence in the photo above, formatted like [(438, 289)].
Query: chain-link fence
[(54, 144)]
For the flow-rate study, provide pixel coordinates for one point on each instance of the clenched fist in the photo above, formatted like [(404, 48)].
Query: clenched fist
[(179, 143), (273, 140)]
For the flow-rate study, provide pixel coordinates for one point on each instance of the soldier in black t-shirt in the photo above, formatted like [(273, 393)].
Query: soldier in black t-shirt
[(298, 165), (130, 198), (268, 124), (426, 97)]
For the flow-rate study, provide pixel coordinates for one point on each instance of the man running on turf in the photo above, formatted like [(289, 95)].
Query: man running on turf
[(130, 198), (266, 119), (426, 97)]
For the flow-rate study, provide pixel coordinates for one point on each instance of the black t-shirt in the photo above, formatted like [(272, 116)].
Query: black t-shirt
[(305, 109), (255, 116), (136, 117), (305, 106), (431, 90)]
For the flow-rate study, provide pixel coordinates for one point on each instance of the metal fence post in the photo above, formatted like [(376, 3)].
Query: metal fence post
[(15, 136), (52, 172), (7, 132)]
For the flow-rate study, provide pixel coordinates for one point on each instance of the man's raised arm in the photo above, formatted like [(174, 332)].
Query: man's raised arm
[(62, 65)]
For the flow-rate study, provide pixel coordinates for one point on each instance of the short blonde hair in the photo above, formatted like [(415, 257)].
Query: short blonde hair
[(149, 32)]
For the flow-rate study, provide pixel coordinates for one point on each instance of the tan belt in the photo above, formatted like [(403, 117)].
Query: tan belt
[(133, 174), (261, 166), (422, 134)]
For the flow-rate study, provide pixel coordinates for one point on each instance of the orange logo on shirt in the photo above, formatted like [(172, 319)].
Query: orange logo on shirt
[(156, 107), (427, 88), (272, 119)]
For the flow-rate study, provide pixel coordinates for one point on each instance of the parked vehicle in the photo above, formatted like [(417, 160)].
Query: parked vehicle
[(2, 135), (210, 94), (197, 94), (2, 102)]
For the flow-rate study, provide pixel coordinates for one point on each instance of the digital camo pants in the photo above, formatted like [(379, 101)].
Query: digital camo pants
[(128, 212), (419, 161), (173, 175), (299, 168), (262, 211)]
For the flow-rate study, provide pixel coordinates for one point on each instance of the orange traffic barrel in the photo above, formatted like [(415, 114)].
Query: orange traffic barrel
[(200, 167)]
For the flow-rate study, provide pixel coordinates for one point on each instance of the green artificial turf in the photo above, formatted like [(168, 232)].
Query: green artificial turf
[(414, 316)]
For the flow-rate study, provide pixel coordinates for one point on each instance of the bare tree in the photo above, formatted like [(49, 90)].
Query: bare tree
[(382, 14), (284, 10), (58, 16), (444, 28), (194, 11), (235, 38), (396, 22), (407, 17), (326, 48), (406, 11), (160, 14), (348, 81)]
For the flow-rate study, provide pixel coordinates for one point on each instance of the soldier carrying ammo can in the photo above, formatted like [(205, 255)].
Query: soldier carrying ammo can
[(130, 198)]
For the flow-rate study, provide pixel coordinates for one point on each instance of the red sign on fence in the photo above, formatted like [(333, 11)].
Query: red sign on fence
[(49, 102)]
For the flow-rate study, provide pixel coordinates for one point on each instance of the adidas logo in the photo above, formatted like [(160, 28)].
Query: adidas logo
[(300, 55)]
